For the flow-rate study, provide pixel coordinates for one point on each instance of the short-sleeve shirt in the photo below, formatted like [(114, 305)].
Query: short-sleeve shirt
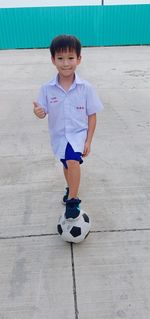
[(68, 113)]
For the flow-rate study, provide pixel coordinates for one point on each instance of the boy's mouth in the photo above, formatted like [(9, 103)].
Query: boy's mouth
[(66, 69)]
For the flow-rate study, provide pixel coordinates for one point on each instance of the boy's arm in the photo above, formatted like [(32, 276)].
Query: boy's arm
[(90, 132), (38, 110)]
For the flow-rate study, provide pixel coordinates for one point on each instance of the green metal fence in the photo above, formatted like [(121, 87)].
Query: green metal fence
[(94, 25)]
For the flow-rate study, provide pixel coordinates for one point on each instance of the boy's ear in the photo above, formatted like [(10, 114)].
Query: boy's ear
[(79, 59), (53, 60)]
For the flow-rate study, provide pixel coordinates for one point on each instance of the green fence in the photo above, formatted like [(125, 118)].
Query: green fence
[(94, 25)]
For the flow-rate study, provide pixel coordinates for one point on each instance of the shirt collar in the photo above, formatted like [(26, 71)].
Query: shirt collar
[(77, 80)]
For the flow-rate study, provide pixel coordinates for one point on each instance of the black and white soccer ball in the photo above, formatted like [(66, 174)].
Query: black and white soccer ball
[(74, 231)]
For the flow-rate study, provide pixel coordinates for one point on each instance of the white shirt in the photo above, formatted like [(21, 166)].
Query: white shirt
[(68, 113)]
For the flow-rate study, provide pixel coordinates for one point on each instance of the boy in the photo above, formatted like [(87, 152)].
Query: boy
[(71, 105)]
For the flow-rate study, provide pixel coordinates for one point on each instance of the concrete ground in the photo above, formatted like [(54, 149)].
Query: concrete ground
[(108, 275)]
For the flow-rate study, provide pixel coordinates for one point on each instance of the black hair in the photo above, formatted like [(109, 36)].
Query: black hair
[(64, 42)]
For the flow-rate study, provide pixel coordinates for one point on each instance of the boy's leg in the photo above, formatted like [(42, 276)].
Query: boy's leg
[(66, 175), (65, 197), (73, 178)]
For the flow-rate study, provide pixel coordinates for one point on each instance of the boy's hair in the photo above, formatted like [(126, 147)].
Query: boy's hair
[(63, 42)]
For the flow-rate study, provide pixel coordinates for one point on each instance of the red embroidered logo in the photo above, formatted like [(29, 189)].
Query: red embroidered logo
[(80, 107), (53, 99)]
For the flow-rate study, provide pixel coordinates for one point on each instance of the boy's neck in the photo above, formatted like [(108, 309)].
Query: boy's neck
[(66, 82)]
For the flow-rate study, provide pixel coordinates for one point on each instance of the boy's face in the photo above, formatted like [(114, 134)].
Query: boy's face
[(66, 62)]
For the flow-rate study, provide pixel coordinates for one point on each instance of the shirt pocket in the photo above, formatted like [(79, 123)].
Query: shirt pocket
[(55, 106), (78, 107), (79, 111)]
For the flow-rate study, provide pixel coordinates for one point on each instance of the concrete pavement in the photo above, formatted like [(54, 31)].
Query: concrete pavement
[(108, 275)]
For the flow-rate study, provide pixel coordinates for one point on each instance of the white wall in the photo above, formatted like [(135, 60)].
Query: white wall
[(45, 3)]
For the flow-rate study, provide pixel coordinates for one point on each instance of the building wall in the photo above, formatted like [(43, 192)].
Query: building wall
[(96, 23)]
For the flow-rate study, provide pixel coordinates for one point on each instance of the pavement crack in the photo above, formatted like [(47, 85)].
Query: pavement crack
[(28, 236), (74, 283), (123, 230)]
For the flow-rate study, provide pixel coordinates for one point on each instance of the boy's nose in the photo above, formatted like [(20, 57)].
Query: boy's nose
[(65, 62)]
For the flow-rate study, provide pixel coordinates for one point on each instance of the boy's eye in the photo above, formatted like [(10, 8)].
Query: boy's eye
[(60, 58)]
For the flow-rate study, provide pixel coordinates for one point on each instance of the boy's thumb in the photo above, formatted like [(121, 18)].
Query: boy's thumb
[(35, 104)]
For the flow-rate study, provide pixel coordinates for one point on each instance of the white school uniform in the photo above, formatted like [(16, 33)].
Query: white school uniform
[(68, 113)]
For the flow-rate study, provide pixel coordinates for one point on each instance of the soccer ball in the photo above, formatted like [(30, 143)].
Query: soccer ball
[(74, 230)]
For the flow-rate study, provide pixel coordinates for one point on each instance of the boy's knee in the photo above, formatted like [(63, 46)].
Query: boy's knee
[(72, 163)]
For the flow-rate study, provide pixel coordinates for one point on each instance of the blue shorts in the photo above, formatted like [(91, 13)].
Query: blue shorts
[(71, 155)]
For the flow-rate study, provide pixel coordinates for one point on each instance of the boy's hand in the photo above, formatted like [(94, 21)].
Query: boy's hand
[(86, 149), (38, 110)]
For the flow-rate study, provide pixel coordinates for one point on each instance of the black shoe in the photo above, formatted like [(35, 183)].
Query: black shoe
[(72, 208)]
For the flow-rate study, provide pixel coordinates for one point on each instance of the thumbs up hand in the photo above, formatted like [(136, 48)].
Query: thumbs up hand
[(38, 110)]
